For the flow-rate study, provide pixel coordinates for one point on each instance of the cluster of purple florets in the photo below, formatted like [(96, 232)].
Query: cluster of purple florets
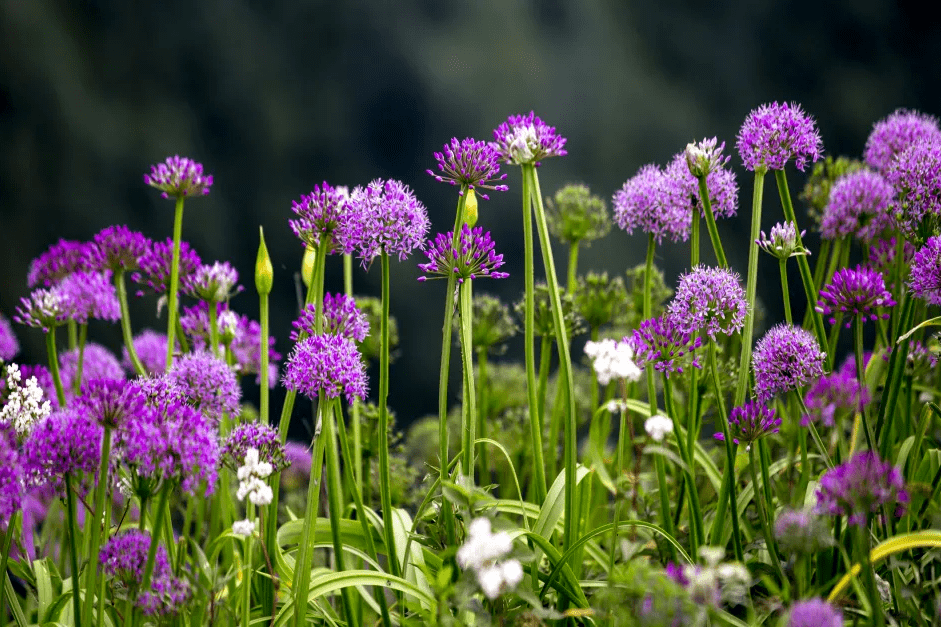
[(263, 438), (328, 365), (750, 422), (473, 257), (855, 292), (663, 343), (341, 317), (711, 300), (924, 281), (470, 163), (526, 139), (787, 358), (838, 391), (858, 207), (776, 133), (860, 487), (123, 558)]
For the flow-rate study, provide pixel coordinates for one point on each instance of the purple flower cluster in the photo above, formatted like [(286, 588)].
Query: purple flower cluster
[(263, 438), (860, 487), (326, 363), (123, 559), (859, 207), (11, 488), (44, 308), (471, 163), (179, 177), (473, 258), (213, 284), (781, 243), (774, 134), (393, 221), (326, 212), (916, 176), (67, 441), (90, 295), (207, 383), (785, 358), (882, 255), (662, 343), (341, 317), (109, 402), (60, 260), (837, 391), (151, 349), (117, 248), (854, 292), (814, 613), (720, 183), (750, 422), (710, 300), (9, 347), (525, 139), (647, 201), (895, 133), (924, 280), (155, 266), (97, 363)]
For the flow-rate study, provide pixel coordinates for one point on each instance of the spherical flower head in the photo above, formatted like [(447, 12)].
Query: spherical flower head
[(575, 215), (854, 292), (472, 258), (117, 248), (823, 175), (11, 486), (60, 260), (493, 323), (834, 392), (9, 346), (893, 134), (915, 173), (924, 279), (151, 349), (66, 441), (859, 207), (253, 435), (44, 308), (647, 202), (710, 300), (613, 360), (110, 402), (243, 527), (327, 364), (662, 343), (214, 283), (97, 363), (720, 183), (525, 139), (658, 426), (179, 177), (208, 383), (704, 157), (750, 422), (774, 134), (326, 212), (124, 557), (394, 221), (859, 487), (91, 295), (782, 241), (800, 532), (470, 163), (25, 403), (155, 266), (785, 358), (341, 317), (601, 299), (166, 598), (814, 613)]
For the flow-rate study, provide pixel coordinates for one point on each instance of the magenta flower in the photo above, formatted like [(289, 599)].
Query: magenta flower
[(44, 308), (781, 242), (895, 133), (647, 202), (151, 349), (662, 343), (155, 266), (393, 221), (924, 280), (59, 261), (326, 212), (97, 363), (263, 438), (214, 284), (475, 164), (858, 206), (751, 422), (785, 358), (855, 292), (814, 613), (525, 139), (90, 295), (207, 383), (9, 346), (473, 258), (341, 317), (66, 441), (774, 134), (110, 402), (326, 364), (117, 248), (916, 176), (720, 182), (179, 177), (11, 487), (123, 559), (836, 391), (710, 300), (882, 255), (860, 487)]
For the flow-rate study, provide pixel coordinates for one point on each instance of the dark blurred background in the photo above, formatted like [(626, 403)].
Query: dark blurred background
[(275, 96)]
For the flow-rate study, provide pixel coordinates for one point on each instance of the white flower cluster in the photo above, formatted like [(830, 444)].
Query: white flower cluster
[(482, 553), (251, 479), (522, 143), (25, 405), (243, 527), (612, 360), (717, 582), (658, 426)]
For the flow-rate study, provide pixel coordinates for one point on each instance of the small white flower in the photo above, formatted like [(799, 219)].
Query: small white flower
[(522, 143), (25, 405), (482, 552), (243, 527), (612, 360), (228, 325), (658, 426), (251, 477)]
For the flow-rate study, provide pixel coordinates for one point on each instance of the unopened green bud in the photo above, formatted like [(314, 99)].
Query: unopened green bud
[(470, 208), (307, 265), (264, 272)]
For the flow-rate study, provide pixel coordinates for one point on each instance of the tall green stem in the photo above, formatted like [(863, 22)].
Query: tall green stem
[(53, 358), (6, 542), (263, 389), (470, 391), (890, 392), (696, 537), (785, 292), (482, 402), (726, 494), (121, 290), (385, 481), (305, 548), (763, 515), (335, 501), (101, 492), (80, 362), (73, 549), (711, 223), (247, 569), (694, 238), (750, 288), (355, 423), (572, 276), (861, 377), (172, 294), (861, 540)]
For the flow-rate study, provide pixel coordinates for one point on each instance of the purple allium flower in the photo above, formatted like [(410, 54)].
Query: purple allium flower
[(263, 438), (341, 317), (90, 295), (814, 613), (179, 177), (710, 300), (44, 308), (326, 211), (110, 402), (704, 157), (924, 280), (662, 343), (526, 139), (66, 441), (474, 258), (782, 241), (59, 261), (720, 182), (297, 457), (785, 359), (394, 221), (9, 347), (11, 487), (214, 284), (750, 422), (800, 531), (773, 134), (839, 390), (882, 255), (97, 363), (166, 597), (858, 206), (855, 292), (327, 363), (895, 133), (208, 383), (123, 559), (155, 266), (471, 163), (646, 202), (117, 248), (860, 487), (151, 349), (916, 176)]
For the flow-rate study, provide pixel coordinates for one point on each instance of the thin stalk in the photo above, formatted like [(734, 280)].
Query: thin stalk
[(545, 357), (619, 472), (355, 424), (155, 535), (696, 537), (73, 550), (861, 537), (711, 222), (101, 492), (80, 364), (593, 389), (335, 505), (172, 293), (759, 495), (726, 491), (785, 292), (813, 430), (121, 290), (247, 570), (861, 377), (385, 481), (750, 288), (54, 365), (572, 276), (214, 327), (263, 389), (694, 237), (890, 392), (6, 541), (470, 393), (482, 402), (302, 565)]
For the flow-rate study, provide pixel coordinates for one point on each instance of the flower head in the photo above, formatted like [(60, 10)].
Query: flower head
[(916, 176), (800, 531), (123, 558), (720, 183), (60, 260), (110, 402), (11, 486), (25, 405), (97, 363), (859, 487), (786, 358), (65, 442), (662, 342), (658, 426), (90, 295), (704, 157), (473, 258), (213, 284), (155, 266), (252, 435), (858, 206), (483, 552), (179, 177), (208, 383), (117, 248), (326, 212), (782, 241), (710, 300), (751, 422), (774, 134), (9, 347), (44, 308), (252, 474), (647, 202), (895, 133), (882, 254), (924, 280), (341, 317), (327, 364), (837, 391), (814, 613), (151, 349), (493, 323), (601, 299), (612, 360), (575, 215), (475, 164), (394, 221), (855, 292), (525, 139)]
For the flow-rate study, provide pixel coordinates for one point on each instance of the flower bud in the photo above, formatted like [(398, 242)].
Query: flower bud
[(307, 265), (264, 273), (470, 208)]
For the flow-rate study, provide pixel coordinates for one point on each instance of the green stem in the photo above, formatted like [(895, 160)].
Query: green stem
[(751, 283), (696, 538), (73, 550), (54, 365), (785, 292), (247, 570), (284, 422), (174, 280), (385, 481), (861, 377), (890, 392), (482, 402), (335, 503), (101, 492), (6, 541), (356, 426), (759, 495), (572, 277), (861, 537), (470, 393), (263, 365), (711, 222), (213, 327), (813, 430), (727, 490), (694, 237), (302, 565), (80, 364), (121, 290)]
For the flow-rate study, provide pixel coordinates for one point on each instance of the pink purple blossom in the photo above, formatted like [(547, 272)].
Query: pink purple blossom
[(90, 295), (214, 283), (67, 441), (720, 183), (839, 390), (525, 139), (647, 201), (860, 487), (9, 346), (44, 308), (882, 255), (60, 260), (471, 163), (858, 207), (474, 257), (916, 176), (776, 133), (326, 212), (179, 177), (855, 292), (394, 221), (97, 363), (710, 300), (750, 422), (341, 317), (155, 266), (785, 358), (326, 364), (207, 383), (110, 402), (117, 248), (151, 349), (781, 242), (261, 437), (123, 559), (893, 134), (662, 343), (814, 613), (11, 487), (924, 280)]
